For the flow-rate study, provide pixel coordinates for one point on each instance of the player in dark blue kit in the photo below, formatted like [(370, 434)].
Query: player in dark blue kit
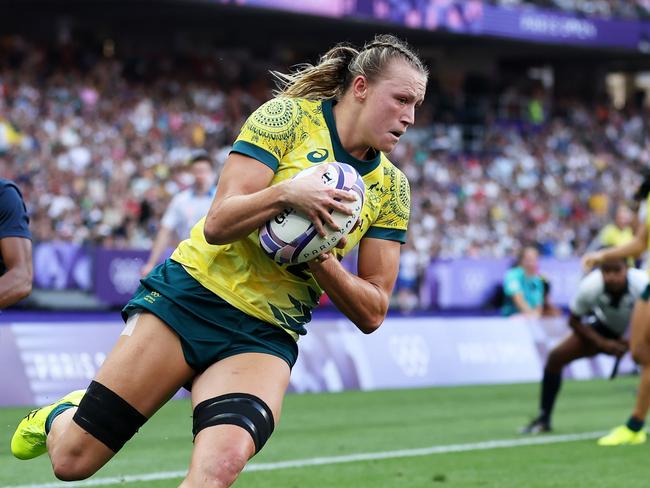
[(15, 246)]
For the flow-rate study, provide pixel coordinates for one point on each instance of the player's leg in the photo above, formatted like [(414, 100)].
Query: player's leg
[(140, 374), (640, 349), (571, 348), (632, 432), (237, 403)]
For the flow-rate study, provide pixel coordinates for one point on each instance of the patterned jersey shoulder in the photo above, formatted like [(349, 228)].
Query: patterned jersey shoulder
[(396, 201), (276, 128)]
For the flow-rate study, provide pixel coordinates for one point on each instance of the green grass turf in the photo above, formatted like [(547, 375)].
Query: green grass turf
[(361, 422)]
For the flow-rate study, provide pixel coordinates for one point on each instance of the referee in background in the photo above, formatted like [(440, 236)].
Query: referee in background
[(185, 209)]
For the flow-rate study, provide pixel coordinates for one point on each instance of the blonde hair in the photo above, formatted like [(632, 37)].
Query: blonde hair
[(336, 69)]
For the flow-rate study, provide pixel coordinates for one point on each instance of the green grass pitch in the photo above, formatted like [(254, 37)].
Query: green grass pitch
[(335, 425)]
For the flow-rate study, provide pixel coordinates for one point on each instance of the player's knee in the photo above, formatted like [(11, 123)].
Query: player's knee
[(639, 353), (242, 409), (71, 465), (222, 469), (555, 361)]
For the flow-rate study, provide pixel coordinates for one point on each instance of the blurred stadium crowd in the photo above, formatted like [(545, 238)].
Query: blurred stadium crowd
[(98, 145), (628, 9)]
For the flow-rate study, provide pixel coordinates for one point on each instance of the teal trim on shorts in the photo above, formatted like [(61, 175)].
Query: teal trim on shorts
[(646, 293), (210, 329), (256, 152)]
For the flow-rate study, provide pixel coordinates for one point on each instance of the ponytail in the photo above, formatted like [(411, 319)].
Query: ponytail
[(336, 69)]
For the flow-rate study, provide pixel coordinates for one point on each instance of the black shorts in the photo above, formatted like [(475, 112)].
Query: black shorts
[(603, 330)]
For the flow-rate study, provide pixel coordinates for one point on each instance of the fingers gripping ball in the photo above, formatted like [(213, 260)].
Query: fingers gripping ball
[(290, 237)]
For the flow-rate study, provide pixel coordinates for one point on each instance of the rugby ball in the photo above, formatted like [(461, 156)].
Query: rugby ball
[(291, 238)]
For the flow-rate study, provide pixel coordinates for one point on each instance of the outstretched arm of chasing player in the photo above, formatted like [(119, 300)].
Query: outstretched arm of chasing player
[(632, 248), (610, 346), (16, 283)]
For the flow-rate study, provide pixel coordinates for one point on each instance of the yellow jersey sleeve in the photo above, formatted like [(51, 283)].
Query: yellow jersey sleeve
[(393, 218), (271, 131)]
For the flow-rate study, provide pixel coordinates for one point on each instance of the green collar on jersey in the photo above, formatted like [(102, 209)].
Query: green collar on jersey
[(340, 154)]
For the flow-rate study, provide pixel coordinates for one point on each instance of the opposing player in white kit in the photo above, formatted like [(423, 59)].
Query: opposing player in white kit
[(600, 315)]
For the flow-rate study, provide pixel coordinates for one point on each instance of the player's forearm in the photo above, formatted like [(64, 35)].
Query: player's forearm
[(15, 285), (362, 302), (630, 249), (160, 243), (584, 331), (521, 303), (236, 216)]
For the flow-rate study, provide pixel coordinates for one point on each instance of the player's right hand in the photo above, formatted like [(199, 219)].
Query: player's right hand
[(614, 347), (316, 200), (591, 260)]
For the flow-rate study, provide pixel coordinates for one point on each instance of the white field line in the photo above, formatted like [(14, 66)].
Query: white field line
[(321, 461)]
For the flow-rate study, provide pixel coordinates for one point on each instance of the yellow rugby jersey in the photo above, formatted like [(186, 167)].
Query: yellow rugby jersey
[(289, 135)]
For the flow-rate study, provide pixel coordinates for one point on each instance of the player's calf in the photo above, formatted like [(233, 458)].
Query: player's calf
[(640, 351)]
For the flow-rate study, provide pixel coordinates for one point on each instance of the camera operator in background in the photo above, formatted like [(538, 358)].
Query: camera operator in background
[(523, 287)]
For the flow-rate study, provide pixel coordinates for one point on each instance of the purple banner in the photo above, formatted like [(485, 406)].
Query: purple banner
[(471, 283), (113, 275), (476, 17), (555, 27), (117, 274), (62, 265), (42, 361)]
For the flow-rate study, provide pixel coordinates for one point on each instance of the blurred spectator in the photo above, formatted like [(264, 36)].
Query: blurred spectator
[(615, 233), (523, 288), (185, 209), (410, 270), (548, 308)]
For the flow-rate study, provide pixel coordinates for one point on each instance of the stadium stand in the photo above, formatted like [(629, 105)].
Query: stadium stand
[(65, 141), (97, 137)]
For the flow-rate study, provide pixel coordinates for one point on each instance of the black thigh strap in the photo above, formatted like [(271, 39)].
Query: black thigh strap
[(242, 409), (107, 416)]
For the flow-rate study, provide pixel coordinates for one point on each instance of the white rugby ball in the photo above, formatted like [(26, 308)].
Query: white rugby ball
[(290, 237)]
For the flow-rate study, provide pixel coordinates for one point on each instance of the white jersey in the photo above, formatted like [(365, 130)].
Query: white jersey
[(185, 210), (592, 298)]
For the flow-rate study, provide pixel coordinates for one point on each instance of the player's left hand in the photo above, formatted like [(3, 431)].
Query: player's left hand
[(613, 347), (321, 258)]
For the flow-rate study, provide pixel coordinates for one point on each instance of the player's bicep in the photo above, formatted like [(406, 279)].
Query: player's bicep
[(17, 254), (242, 175), (378, 262)]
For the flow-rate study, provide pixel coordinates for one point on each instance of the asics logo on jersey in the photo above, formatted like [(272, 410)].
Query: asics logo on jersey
[(319, 155)]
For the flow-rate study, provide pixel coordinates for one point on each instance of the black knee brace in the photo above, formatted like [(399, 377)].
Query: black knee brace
[(246, 411), (107, 416)]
